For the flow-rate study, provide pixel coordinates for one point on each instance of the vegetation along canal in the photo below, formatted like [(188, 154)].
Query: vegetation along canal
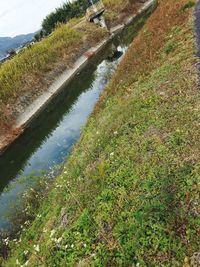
[(47, 142)]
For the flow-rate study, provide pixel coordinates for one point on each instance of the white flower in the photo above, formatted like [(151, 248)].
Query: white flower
[(112, 154), (25, 252), (85, 245), (72, 245), (66, 246), (26, 263), (115, 132), (37, 248), (52, 233), (59, 239), (17, 262)]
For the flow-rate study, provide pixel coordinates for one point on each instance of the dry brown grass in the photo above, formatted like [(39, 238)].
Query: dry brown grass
[(142, 56), (118, 10), (146, 47)]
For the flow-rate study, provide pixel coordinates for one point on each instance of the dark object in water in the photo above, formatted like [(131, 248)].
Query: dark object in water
[(115, 55)]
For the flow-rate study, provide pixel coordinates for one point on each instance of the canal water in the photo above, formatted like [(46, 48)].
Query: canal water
[(48, 141)]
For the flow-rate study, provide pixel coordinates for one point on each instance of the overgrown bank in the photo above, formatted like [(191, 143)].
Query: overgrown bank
[(129, 194), (31, 72), (26, 77)]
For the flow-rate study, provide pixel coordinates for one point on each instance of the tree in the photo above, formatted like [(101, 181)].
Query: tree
[(63, 14)]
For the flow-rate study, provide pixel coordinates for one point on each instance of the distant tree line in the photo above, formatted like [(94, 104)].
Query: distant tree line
[(62, 14)]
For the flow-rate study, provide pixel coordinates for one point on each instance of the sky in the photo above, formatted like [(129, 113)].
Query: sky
[(24, 16)]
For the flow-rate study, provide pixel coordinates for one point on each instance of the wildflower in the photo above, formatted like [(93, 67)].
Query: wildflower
[(59, 239), (17, 262), (26, 263), (37, 248), (25, 252), (52, 233), (66, 246), (85, 245), (115, 133), (6, 241), (72, 246), (112, 154)]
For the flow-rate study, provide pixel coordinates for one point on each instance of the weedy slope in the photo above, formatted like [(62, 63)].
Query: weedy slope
[(129, 193)]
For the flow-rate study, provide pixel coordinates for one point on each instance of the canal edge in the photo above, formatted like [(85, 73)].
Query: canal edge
[(25, 119)]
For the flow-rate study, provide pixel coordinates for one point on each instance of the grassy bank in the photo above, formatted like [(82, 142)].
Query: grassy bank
[(35, 68), (129, 193), (118, 10)]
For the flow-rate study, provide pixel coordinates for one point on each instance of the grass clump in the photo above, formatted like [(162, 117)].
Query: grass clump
[(169, 47), (129, 192), (189, 4)]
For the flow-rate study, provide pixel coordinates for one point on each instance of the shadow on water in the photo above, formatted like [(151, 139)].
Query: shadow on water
[(47, 142), (15, 158)]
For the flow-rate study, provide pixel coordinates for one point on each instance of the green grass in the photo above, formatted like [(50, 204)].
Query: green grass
[(35, 61), (189, 4), (30, 70), (129, 192)]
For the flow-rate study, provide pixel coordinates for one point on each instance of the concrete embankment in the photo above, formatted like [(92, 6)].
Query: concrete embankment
[(39, 104)]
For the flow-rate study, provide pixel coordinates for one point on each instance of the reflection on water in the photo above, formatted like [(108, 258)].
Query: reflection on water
[(52, 138)]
